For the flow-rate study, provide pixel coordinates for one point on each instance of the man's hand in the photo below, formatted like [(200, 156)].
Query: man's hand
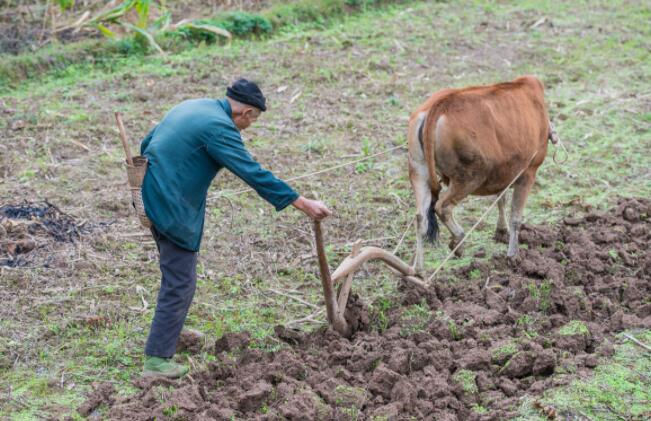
[(315, 209)]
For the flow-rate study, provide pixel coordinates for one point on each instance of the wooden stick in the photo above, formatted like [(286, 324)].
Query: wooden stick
[(328, 290), (336, 321), (300, 300), (308, 318), (81, 145), (344, 292), (637, 342), (123, 138)]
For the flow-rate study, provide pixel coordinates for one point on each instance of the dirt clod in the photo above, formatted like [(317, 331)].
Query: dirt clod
[(232, 341), (191, 341), (101, 394), (253, 398)]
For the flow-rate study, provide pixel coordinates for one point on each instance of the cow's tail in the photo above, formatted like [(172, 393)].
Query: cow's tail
[(427, 150)]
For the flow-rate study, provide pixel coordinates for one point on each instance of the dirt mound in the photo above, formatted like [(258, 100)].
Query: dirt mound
[(27, 227), (190, 341), (511, 328)]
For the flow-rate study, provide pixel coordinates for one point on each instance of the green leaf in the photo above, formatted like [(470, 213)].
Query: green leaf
[(149, 37), (203, 27), (142, 7), (104, 30), (114, 13), (163, 22)]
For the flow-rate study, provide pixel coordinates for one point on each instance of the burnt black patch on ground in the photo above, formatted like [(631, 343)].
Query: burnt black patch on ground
[(30, 226)]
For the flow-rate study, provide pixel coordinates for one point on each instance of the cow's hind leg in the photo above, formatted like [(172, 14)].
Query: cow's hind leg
[(502, 230), (419, 178), (521, 190), (445, 210)]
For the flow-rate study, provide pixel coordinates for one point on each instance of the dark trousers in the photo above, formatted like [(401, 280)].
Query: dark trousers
[(179, 280)]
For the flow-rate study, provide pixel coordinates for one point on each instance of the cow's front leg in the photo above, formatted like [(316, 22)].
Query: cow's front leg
[(502, 230)]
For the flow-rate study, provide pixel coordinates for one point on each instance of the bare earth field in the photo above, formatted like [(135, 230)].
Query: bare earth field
[(489, 341)]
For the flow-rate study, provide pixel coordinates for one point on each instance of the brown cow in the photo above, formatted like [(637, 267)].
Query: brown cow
[(476, 140)]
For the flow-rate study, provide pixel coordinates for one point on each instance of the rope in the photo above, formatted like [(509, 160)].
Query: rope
[(249, 189), (481, 218), (404, 234), (567, 154), (557, 140)]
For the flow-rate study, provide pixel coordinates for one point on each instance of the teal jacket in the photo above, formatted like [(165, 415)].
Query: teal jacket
[(186, 150)]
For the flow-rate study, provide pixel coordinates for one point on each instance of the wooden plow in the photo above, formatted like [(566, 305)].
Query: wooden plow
[(336, 304)]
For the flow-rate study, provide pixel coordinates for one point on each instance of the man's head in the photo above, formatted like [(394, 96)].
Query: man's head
[(247, 102)]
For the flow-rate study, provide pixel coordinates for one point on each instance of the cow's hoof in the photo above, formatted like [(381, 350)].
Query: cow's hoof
[(459, 251), (501, 235)]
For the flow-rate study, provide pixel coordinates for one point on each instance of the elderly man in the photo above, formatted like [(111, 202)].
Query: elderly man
[(186, 150)]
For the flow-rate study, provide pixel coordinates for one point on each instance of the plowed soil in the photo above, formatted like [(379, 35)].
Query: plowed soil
[(504, 330)]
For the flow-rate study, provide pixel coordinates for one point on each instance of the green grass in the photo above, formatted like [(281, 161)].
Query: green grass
[(574, 327), (350, 397), (415, 318), (467, 380), (542, 294), (505, 351), (378, 313), (618, 389)]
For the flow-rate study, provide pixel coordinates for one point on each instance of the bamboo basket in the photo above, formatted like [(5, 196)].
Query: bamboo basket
[(136, 170), (136, 174)]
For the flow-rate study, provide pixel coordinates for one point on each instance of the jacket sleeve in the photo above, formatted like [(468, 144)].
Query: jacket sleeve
[(228, 150)]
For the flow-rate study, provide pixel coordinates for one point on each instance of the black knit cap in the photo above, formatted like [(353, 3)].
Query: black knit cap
[(248, 93)]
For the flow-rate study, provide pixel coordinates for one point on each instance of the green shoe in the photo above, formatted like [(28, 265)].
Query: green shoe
[(164, 367)]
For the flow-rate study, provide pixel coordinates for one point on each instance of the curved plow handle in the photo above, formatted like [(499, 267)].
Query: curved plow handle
[(352, 264)]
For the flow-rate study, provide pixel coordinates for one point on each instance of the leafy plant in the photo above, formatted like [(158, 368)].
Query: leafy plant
[(415, 318), (243, 23), (379, 318), (467, 380), (144, 28), (364, 166)]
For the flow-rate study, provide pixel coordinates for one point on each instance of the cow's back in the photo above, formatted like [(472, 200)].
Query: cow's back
[(513, 110), (489, 133)]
